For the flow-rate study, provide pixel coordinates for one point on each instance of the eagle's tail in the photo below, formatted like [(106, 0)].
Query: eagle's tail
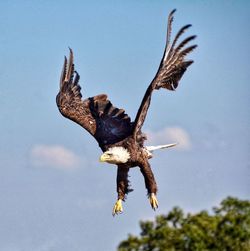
[(150, 149)]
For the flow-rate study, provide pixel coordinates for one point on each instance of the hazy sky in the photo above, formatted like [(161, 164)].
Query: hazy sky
[(55, 195)]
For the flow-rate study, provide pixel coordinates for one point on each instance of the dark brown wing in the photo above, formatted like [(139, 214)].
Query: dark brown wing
[(172, 67), (97, 115)]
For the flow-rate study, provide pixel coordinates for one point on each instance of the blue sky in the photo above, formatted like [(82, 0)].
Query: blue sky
[(55, 195)]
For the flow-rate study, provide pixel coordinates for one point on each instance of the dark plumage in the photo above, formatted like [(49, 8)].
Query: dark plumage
[(120, 139)]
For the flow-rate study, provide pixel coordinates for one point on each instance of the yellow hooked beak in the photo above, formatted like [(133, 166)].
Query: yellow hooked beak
[(104, 157)]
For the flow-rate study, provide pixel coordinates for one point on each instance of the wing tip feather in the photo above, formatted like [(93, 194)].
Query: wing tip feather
[(172, 11)]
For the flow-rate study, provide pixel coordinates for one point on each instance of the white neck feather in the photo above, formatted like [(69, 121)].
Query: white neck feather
[(120, 153)]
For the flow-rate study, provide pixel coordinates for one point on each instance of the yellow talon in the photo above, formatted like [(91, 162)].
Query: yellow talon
[(117, 209), (153, 201)]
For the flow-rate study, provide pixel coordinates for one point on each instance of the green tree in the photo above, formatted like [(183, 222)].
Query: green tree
[(226, 229)]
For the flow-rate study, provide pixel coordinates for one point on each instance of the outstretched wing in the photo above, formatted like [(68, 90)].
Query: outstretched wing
[(172, 67), (97, 115)]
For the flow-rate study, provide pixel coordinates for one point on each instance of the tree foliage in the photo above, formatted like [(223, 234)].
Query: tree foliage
[(226, 229)]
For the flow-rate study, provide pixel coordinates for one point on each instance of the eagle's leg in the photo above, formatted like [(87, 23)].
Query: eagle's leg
[(122, 183), (117, 209), (153, 201), (150, 184)]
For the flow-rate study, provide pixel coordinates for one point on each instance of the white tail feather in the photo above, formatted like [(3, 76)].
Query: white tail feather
[(153, 148)]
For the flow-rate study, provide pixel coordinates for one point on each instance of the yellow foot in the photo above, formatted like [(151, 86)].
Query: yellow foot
[(153, 201), (117, 209)]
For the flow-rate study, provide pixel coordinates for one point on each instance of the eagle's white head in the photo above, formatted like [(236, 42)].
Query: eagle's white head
[(115, 155)]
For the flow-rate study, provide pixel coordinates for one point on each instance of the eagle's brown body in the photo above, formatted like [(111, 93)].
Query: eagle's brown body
[(138, 158), (111, 126)]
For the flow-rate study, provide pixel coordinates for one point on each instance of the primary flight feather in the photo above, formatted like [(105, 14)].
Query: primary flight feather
[(120, 139)]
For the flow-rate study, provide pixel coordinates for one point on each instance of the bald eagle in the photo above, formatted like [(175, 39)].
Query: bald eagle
[(120, 139)]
